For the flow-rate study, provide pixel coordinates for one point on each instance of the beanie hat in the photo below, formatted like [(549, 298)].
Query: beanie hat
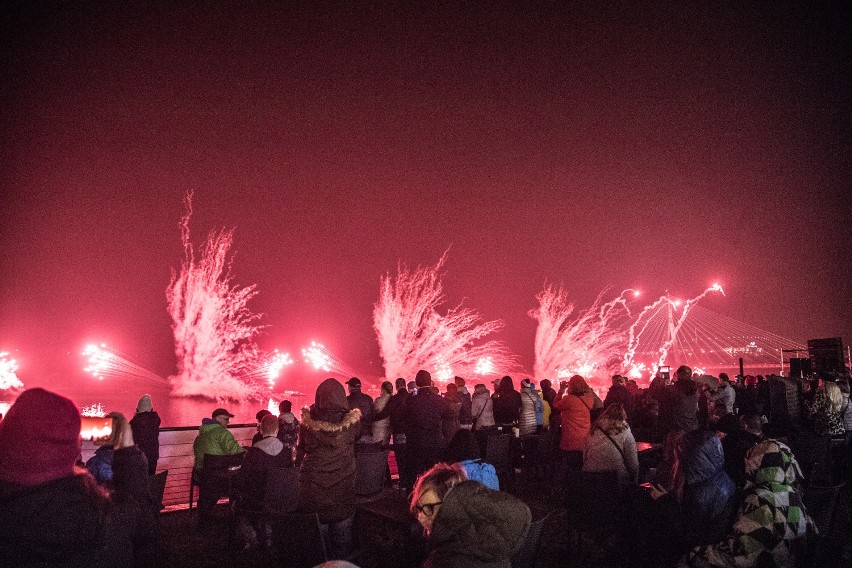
[(423, 378), (145, 404), (39, 438)]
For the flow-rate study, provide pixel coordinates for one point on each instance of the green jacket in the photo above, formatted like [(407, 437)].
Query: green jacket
[(216, 440)]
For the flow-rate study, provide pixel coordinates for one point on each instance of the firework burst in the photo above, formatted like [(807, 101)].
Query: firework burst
[(412, 335), (213, 327), (8, 374), (102, 362)]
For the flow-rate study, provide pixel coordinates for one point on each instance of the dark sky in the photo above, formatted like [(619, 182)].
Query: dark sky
[(660, 147)]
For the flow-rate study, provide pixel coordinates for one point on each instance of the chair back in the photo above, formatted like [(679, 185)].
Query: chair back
[(498, 450), (592, 499), (813, 452), (282, 490), (821, 502), (370, 471), (221, 463), (157, 484), (297, 540), (525, 555)]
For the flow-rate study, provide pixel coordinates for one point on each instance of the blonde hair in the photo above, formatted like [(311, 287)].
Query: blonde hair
[(613, 420), (440, 479), (835, 397)]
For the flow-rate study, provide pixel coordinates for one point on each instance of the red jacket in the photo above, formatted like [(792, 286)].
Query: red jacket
[(576, 417)]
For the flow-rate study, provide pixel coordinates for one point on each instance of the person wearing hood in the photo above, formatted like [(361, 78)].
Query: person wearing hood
[(507, 404), (146, 431), (467, 525), (327, 439), (700, 500), (215, 439), (288, 426), (482, 409), (465, 412), (53, 513), (531, 416), (575, 402), (770, 523)]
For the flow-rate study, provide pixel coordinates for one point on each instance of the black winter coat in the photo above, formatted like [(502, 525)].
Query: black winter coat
[(146, 434), (428, 419)]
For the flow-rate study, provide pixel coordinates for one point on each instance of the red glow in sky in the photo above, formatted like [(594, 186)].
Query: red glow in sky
[(589, 145)]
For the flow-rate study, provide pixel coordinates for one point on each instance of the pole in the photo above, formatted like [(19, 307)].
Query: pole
[(742, 374)]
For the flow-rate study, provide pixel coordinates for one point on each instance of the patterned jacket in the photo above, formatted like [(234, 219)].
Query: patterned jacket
[(772, 522)]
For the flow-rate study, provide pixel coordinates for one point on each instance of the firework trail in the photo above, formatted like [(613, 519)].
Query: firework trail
[(213, 327), (664, 349), (320, 358), (644, 318), (270, 367), (584, 345), (412, 335), (104, 362), (9, 380)]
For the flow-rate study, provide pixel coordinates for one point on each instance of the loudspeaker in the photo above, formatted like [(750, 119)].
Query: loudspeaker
[(826, 355), (799, 367)]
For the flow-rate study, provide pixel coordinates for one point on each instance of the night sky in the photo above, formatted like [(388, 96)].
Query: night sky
[(659, 147)]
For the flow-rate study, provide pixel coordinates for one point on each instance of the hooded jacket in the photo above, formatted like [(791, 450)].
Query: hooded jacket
[(708, 493), (146, 434), (507, 402), (216, 440), (327, 439), (771, 520), (477, 527), (532, 410)]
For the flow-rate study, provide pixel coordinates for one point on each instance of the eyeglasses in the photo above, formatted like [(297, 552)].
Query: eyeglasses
[(428, 509)]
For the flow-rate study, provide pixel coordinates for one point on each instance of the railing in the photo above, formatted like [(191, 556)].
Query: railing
[(176, 456)]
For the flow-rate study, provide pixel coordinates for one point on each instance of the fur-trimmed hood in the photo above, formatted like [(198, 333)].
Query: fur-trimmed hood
[(351, 418)]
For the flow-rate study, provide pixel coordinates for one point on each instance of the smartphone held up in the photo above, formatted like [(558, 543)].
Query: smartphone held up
[(96, 428)]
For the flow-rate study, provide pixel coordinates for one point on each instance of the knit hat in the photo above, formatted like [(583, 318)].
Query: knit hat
[(423, 378), (145, 404), (39, 438)]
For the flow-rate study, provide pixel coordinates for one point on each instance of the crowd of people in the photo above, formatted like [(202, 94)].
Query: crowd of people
[(723, 493)]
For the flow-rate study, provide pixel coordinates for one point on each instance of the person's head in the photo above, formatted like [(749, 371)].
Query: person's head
[(480, 388), (506, 384), (835, 397), (462, 446), (400, 384), (39, 438), (459, 382), (387, 387), (724, 378), (687, 386), (260, 415), (613, 420), (423, 379), (527, 384), (144, 404), (285, 406), (546, 384), (354, 385), (330, 404), (430, 490), (632, 386), (683, 372), (618, 380), (411, 386), (222, 416), (269, 425), (752, 423), (577, 385), (750, 381), (452, 390)]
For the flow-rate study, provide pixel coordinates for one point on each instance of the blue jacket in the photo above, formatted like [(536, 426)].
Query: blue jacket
[(708, 495), (100, 465)]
